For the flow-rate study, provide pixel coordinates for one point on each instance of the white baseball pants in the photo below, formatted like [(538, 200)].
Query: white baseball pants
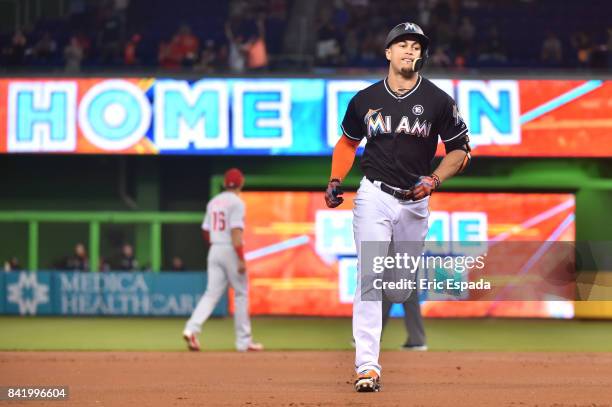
[(378, 216), (223, 268)]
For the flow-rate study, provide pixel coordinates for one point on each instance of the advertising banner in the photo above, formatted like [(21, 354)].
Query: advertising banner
[(288, 116), (108, 293), (302, 259)]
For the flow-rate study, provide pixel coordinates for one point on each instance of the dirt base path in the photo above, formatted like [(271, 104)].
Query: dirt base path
[(314, 378)]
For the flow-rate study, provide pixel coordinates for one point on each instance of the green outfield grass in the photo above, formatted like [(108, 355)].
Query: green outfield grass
[(40, 333)]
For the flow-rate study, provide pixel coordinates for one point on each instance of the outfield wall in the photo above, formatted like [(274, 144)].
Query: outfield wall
[(567, 112)]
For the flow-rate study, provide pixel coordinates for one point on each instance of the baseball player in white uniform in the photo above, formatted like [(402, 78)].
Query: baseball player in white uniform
[(222, 228), (402, 117)]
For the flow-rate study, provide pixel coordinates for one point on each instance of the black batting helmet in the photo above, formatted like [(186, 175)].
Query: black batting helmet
[(413, 29)]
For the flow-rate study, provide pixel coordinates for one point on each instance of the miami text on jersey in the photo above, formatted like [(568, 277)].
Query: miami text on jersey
[(377, 123)]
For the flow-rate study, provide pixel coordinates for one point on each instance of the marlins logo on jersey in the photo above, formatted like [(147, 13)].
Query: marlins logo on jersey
[(457, 116), (376, 124)]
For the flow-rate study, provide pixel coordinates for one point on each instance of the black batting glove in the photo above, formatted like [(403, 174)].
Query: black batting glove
[(333, 193)]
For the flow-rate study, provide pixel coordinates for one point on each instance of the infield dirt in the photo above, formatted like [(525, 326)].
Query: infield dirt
[(314, 378)]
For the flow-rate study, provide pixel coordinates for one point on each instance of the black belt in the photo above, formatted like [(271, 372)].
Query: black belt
[(401, 194)]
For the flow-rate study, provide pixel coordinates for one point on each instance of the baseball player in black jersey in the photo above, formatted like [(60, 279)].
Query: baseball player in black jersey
[(401, 117)]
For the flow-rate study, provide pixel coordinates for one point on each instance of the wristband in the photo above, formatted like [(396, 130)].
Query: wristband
[(436, 179), (240, 252)]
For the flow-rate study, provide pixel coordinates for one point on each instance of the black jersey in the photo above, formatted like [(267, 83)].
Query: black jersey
[(402, 131)]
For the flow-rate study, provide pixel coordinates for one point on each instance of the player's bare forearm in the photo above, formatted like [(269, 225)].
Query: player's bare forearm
[(451, 164)]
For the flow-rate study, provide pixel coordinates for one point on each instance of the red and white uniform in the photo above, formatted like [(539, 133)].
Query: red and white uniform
[(223, 213)]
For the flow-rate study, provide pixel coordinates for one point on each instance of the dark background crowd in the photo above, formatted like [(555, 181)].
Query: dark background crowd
[(191, 35), (238, 36), (473, 33), (123, 260)]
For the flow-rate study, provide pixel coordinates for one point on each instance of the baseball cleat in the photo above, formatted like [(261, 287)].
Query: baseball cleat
[(255, 347), (367, 381), (414, 348), (191, 339)]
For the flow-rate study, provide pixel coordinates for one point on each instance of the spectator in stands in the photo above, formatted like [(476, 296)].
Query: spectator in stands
[(131, 55), (351, 39), (181, 51), (237, 52), (127, 261), (551, 53), (177, 264), (12, 264), (582, 49), (73, 55), (85, 43), (440, 59), (168, 56), (459, 61), (14, 54), (208, 58), (328, 45), (187, 46), (600, 52), (79, 260), (257, 54), (44, 50)]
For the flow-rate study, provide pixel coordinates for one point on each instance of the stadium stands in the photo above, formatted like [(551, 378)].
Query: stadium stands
[(339, 34)]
